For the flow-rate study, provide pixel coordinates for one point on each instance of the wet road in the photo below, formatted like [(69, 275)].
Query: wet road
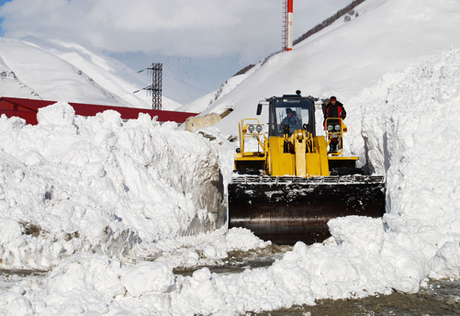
[(439, 298)]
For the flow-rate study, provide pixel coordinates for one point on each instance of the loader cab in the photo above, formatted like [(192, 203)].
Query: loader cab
[(290, 113)]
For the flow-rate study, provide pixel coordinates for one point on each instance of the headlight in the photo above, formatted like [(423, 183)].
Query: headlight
[(251, 128), (337, 127), (330, 128), (259, 128)]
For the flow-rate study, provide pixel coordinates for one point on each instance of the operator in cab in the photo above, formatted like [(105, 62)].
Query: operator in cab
[(291, 120)]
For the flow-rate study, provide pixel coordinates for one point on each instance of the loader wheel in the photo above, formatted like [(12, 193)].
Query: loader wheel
[(346, 171)]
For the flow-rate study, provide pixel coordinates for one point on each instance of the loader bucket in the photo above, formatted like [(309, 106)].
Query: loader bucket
[(290, 209)]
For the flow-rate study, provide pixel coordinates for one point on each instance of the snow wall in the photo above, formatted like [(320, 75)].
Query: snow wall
[(100, 184)]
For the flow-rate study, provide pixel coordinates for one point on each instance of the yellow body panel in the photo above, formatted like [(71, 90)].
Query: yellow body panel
[(321, 148), (280, 163), (299, 163)]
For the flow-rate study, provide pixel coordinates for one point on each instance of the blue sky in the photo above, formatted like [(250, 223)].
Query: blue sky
[(2, 2)]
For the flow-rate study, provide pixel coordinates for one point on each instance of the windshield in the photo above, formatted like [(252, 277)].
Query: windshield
[(291, 114)]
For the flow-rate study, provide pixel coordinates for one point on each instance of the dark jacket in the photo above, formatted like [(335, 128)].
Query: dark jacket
[(336, 110)]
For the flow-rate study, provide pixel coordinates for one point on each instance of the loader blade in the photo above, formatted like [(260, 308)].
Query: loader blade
[(290, 209)]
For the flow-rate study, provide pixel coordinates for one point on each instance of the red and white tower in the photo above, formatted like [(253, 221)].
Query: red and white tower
[(287, 24)]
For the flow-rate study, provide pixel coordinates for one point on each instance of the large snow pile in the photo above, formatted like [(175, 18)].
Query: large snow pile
[(99, 184)]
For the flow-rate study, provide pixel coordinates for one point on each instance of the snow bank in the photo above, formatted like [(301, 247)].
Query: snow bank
[(413, 138), (99, 184)]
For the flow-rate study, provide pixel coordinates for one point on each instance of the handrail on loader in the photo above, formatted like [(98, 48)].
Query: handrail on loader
[(251, 128), (334, 130)]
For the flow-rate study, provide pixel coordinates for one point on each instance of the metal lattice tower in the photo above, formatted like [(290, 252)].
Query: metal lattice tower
[(156, 89)]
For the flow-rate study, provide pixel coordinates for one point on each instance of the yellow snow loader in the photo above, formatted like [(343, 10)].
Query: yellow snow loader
[(286, 185)]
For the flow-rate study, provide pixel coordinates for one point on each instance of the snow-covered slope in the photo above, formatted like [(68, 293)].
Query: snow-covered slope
[(345, 58), (10, 85), (56, 70), (206, 101)]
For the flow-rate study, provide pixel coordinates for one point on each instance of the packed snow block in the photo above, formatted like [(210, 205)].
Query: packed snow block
[(194, 123)]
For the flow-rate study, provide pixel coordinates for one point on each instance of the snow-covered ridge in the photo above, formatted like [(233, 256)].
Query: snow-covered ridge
[(56, 70), (10, 85)]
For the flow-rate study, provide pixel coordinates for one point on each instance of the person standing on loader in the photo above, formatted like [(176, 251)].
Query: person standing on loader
[(334, 109)]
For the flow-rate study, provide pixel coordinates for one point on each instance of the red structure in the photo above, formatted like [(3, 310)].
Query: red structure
[(28, 108), (287, 24)]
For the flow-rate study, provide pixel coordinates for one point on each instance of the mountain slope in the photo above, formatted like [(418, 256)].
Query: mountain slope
[(347, 57), (56, 70)]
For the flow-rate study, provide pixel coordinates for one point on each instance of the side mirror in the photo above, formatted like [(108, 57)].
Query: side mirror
[(259, 109)]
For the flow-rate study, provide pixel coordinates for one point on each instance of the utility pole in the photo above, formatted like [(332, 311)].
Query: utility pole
[(156, 89), (287, 24)]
